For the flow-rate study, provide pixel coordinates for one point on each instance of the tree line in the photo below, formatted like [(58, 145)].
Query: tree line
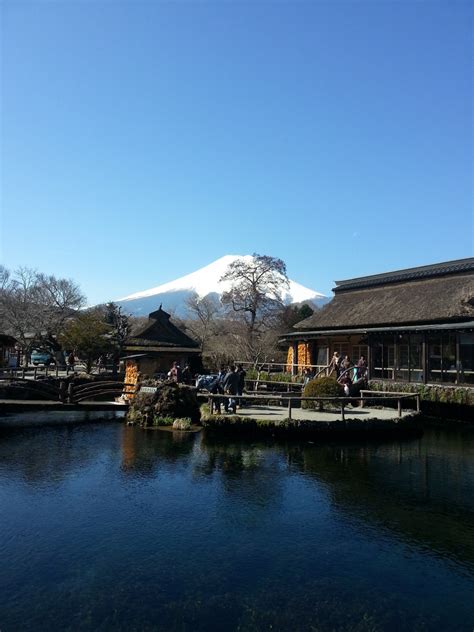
[(46, 312), (251, 316)]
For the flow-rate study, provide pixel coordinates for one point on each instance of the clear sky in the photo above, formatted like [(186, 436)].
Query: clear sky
[(143, 140)]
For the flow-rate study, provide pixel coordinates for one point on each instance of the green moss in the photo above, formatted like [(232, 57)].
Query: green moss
[(445, 394), (162, 421)]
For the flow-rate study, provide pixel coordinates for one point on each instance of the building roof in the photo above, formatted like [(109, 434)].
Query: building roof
[(7, 340), (159, 332), (447, 268), (430, 294)]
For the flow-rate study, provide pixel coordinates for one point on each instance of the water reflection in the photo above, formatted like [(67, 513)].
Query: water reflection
[(144, 451), (202, 532)]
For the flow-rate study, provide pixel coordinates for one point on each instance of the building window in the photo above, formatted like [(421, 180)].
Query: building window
[(448, 360), (357, 351), (383, 357), (416, 358), (434, 358), (466, 358), (342, 347)]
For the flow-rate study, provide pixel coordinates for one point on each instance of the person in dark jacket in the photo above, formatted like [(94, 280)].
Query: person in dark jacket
[(217, 388), (186, 376), (361, 368), (241, 373), (231, 387)]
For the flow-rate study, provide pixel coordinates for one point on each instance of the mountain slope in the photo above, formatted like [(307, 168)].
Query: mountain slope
[(204, 282)]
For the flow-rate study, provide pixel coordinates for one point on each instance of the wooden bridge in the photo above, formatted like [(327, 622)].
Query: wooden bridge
[(42, 394)]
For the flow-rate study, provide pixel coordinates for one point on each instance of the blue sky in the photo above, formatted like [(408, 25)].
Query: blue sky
[(143, 140)]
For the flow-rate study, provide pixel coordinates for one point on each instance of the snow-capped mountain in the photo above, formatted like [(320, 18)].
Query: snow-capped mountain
[(204, 282)]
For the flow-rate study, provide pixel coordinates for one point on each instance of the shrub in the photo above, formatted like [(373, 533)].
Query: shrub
[(163, 421), (182, 424), (321, 387)]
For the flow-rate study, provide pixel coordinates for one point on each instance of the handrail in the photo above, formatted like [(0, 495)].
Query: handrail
[(352, 368), (341, 400), (319, 372), (251, 379)]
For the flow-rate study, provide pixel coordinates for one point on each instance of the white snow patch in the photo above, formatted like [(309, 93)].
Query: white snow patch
[(207, 281)]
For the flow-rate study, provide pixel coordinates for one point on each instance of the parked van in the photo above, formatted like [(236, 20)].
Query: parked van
[(41, 357)]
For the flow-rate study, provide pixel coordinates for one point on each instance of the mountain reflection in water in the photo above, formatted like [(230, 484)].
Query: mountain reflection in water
[(107, 527)]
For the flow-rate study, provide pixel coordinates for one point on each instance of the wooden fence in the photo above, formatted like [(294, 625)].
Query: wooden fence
[(341, 402)]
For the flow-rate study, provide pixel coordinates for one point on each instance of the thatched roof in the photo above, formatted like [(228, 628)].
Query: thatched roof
[(7, 341), (160, 332), (431, 294)]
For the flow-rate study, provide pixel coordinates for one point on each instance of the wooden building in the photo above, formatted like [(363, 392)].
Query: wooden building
[(414, 325), (156, 345), (8, 351)]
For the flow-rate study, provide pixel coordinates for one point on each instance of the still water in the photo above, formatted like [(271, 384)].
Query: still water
[(105, 527)]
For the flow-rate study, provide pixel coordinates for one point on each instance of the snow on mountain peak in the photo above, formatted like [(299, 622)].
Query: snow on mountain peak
[(206, 281)]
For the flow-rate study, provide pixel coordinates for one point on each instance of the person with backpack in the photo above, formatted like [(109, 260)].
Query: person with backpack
[(231, 387), (217, 388)]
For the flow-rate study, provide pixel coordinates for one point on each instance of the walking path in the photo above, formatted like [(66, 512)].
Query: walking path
[(275, 413)]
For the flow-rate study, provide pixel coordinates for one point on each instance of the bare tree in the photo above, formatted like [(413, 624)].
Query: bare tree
[(255, 298), (35, 307), (204, 313)]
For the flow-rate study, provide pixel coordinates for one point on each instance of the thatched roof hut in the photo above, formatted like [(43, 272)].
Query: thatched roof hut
[(413, 325), (439, 293), (160, 334), (157, 344)]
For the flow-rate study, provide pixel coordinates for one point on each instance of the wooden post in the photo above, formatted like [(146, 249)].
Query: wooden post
[(294, 367), (418, 407), (57, 370), (342, 412), (35, 372), (289, 407), (70, 393), (23, 373), (399, 406)]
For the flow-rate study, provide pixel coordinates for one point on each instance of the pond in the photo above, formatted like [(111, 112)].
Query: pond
[(108, 527)]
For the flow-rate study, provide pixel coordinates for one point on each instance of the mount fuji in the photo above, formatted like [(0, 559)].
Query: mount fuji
[(204, 282)]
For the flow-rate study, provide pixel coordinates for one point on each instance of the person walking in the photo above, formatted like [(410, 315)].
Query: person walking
[(186, 376), (217, 388), (241, 373), (307, 376), (174, 373), (231, 386), (361, 368), (335, 364)]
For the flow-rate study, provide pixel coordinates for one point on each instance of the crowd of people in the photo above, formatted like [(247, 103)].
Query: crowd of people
[(348, 373), (229, 383)]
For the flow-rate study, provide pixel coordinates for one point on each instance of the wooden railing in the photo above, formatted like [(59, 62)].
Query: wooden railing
[(68, 393), (342, 402), (38, 372)]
